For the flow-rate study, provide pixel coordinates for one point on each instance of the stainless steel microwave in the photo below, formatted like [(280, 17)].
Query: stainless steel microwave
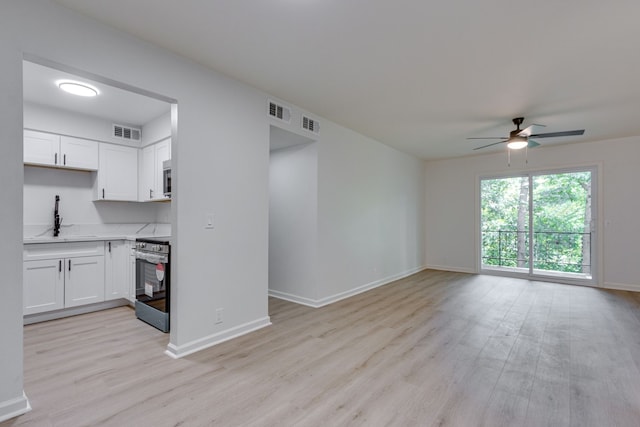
[(166, 178)]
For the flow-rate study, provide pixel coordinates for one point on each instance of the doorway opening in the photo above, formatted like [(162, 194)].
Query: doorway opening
[(293, 201), (540, 225), (88, 154)]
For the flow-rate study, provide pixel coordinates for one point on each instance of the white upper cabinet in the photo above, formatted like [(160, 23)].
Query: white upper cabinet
[(41, 148), (79, 153), (145, 176), (47, 149), (117, 173), (152, 157)]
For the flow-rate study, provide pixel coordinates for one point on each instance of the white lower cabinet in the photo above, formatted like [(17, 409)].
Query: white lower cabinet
[(84, 281), (62, 275), (43, 288), (116, 274)]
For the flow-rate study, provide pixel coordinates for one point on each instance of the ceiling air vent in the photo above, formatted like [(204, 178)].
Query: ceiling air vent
[(310, 125), (124, 132), (279, 112)]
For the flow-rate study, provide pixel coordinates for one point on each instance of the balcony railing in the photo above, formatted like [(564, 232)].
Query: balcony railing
[(561, 251)]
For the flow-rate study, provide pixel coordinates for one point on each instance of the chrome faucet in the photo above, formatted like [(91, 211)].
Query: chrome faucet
[(57, 220)]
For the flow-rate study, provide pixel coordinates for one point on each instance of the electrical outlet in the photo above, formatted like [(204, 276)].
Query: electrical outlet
[(219, 315)]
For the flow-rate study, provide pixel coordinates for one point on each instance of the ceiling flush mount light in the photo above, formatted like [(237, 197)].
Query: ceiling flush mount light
[(77, 88), (517, 142)]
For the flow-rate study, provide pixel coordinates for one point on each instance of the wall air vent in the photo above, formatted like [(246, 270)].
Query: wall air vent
[(126, 133), (280, 112), (310, 125)]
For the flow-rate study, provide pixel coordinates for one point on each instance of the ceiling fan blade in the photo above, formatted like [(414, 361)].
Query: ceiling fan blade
[(532, 144), (490, 137), (527, 131), (489, 145), (555, 134)]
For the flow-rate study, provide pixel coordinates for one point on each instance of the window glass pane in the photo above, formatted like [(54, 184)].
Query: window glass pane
[(505, 222), (562, 223)]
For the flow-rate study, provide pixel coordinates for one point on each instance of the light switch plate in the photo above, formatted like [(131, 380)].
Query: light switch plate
[(208, 221)]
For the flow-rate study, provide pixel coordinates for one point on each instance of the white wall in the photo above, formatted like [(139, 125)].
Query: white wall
[(370, 197), (370, 213), (293, 203), (157, 129), (452, 205), (220, 162), (47, 119), (12, 399)]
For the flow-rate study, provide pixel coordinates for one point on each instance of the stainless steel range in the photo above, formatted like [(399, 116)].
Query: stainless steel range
[(153, 278)]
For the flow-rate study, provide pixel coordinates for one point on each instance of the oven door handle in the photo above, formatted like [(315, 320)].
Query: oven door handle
[(151, 257)]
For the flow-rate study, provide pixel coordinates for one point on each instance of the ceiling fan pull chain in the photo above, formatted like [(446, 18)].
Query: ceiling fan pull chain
[(509, 157)]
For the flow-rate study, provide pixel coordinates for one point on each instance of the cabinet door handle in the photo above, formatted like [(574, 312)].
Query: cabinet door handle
[(69, 265), (55, 159), (64, 159), (109, 247), (103, 193), (59, 266), (150, 193)]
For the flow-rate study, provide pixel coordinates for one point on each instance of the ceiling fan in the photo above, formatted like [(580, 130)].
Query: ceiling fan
[(520, 138)]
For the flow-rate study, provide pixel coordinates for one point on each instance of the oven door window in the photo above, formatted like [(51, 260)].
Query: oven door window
[(151, 283)]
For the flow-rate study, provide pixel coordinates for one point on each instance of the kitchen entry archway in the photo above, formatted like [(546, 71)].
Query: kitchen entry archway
[(540, 225)]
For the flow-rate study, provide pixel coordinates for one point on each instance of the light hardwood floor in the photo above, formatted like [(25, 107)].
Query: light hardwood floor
[(434, 349)]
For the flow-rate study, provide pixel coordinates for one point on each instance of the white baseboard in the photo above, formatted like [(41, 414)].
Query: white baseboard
[(179, 351), (450, 268), (73, 311), (293, 298), (621, 286), (342, 295), (14, 407)]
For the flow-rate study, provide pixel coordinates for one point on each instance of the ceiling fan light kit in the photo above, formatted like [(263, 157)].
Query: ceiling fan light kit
[(517, 142)]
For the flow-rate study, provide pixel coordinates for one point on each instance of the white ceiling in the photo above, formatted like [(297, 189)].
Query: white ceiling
[(118, 105), (421, 76)]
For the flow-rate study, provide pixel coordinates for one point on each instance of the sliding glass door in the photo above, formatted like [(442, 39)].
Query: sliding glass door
[(539, 224)]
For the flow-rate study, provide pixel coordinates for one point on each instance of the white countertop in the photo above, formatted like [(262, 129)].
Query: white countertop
[(96, 232)]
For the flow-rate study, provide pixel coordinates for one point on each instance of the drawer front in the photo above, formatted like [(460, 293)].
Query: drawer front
[(39, 251)]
